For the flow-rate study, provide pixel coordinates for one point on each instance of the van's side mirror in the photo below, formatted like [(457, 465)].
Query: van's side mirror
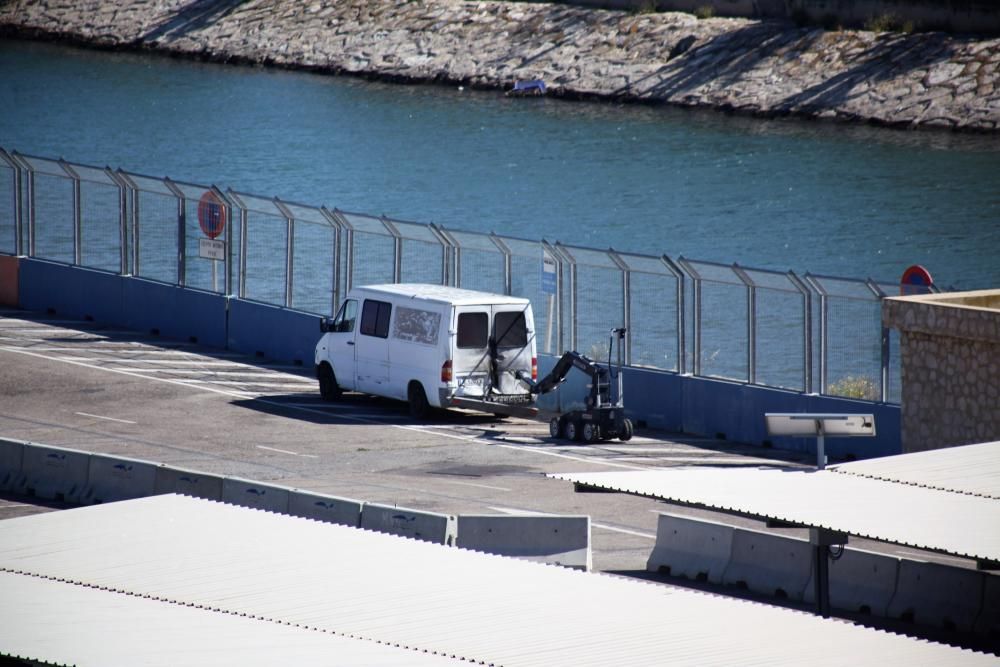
[(325, 324)]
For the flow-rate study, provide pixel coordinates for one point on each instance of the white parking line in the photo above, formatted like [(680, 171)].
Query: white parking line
[(582, 459), (110, 419), (285, 451), (478, 486)]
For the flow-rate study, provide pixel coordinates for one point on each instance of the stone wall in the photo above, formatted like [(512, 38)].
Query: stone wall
[(760, 67), (950, 346)]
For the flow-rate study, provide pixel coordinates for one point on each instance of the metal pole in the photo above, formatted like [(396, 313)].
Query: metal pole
[(181, 231), (242, 273), (508, 264), (122, 221), (572, 294), (751, 323), (132, 191), (338, 226), (885, 348), (679, 275), (807, 348), (695, 315), (289, 251), (824, 317), (77, 213), (625, 343), (397, 250)]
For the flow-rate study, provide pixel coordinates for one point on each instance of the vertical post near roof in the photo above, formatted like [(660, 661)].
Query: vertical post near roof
[(508, 264), (397, 250), (807, 344), (626, 303), (289, 250), (679, 274), (338, 227), (181, 227)]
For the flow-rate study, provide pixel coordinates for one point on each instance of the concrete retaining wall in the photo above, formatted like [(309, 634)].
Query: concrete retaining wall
[(273, 332), (559, 540), (330, 509), (247, 493), (53, 473), (11, 463), (188, 483)]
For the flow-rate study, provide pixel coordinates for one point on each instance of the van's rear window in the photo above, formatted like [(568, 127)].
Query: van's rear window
[(473, 330), (510, 329)]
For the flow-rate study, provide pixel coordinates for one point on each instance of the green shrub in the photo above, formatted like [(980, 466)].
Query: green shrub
[(862, 387)]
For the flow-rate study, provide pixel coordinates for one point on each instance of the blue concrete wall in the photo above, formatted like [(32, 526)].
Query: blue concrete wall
[(70, 291), (272, 332), (175, 312)]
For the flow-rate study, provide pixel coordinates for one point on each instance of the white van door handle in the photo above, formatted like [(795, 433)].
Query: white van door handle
[(350, 342)]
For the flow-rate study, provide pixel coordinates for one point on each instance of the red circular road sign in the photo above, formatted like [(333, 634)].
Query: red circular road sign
[(916, 280), (211, 214)]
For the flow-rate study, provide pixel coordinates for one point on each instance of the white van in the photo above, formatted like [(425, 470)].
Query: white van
[(430, 345)]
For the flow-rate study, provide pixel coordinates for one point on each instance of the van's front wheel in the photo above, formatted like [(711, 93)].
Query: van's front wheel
[(419, 407), (328, 387)]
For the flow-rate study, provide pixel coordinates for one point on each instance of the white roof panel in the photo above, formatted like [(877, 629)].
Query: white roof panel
[(957, 524), (65, 624), (416, 596), (973, 469)]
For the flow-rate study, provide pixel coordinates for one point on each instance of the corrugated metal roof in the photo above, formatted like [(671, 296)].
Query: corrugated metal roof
[(65, 624), (973, 469), (942, 521), (415, 595)]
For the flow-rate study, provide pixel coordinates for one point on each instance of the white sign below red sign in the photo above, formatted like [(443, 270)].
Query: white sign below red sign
[(212, 249)]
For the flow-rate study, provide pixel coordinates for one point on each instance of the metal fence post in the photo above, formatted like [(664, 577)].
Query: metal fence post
[(885, 348), (571, 292), (227, 282), (751, 322), (397, 249), (16, 183), (679, 275), (123, 268), (695, 315), (508, 263), (77, 213), (348, 251), (626, 303), (30, 192), (455, 256), (338, 227), (824, 329), (807, 343), (181, 231), (289, 251), (446, 252), (241, 274), (132, 192)]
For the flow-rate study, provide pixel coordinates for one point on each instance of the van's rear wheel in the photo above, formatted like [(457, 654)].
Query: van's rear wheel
[(328, 387), (419, 407)]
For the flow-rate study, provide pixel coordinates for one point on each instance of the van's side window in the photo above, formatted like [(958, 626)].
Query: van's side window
[(375, 318), (348, 313), (510, 329), (473, 330), (416, 326)]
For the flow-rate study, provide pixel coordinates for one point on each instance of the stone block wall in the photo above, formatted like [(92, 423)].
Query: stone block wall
[(950, 346)]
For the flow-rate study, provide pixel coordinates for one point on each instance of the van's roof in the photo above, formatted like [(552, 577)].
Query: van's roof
[(442, 294)]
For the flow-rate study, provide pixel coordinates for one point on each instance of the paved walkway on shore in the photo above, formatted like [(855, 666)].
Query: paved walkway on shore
[(769, 68)]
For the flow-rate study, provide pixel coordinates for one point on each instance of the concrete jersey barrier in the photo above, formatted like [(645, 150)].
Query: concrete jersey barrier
[(53, 473), (770, 564), (247, 493), (426, 526), (11, 463), (330, 509), (691, 548), (111, 478), (559, 540), (188, 483)]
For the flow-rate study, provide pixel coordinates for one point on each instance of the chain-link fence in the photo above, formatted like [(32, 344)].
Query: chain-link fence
[(813, 334)]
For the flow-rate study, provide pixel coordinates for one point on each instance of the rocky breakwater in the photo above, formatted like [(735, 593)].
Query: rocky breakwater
[(761, 67)]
